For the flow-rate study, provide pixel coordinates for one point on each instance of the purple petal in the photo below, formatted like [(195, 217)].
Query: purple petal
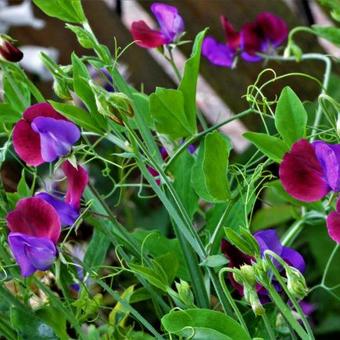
[(67, 214), (56, 136), (217, 53), (170, 22), (273, 28), (34, 217), (293, 258), (301, 173), (146, 37), (251, 42), (329, 158), (77, 180), (269, 240), (333, 226), (32, 253)]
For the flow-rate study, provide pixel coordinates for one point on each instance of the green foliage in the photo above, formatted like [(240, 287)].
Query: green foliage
[(209, 174), (330, 33), (290, 116), (203, 324), (65, 10)]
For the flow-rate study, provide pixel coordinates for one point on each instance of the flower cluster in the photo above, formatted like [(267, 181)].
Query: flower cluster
[(260, 36), (309, 171), (43, 135), (171, 26)]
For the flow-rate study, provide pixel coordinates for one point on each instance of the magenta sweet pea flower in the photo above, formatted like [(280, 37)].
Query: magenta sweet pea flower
[(68, 208), (8, 51), (333, 223), (309, 171), (43, 135), (267, 240), (171, 26), (267, 32), (34, 231), (260, 36)]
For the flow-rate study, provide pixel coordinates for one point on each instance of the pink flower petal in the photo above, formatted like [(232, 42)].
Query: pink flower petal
[(232, 37), (77, 180), (146, 37), (27, 143), (41, 110), (35, 217), (333, 226), (301, 173)]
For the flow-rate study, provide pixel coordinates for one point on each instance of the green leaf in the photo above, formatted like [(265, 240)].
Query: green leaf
[(8, 114), (209, 173), (188, 83), (243, 240), (290, 116), (181, 171), (77, 115), (271, 146), (65, 10), (330, 33), (203, 324), (23, 189), (167, 110), (170, 264), (84, 37), (214, 261)]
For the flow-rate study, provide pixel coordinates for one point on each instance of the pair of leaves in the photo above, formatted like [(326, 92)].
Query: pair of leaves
[(203, 324), (65, 10), (290, 122), (209, 173), (174, 111)]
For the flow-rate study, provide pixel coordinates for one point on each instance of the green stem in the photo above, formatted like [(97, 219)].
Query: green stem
[(292, 233), (330, 259), (231, 300), (268, 326)]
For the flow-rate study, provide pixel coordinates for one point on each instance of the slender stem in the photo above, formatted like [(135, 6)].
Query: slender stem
[(268, 326), (292, 233), (330, 259), (231, 300)]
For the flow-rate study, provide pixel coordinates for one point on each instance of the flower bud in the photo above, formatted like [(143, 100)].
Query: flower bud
[(296, 282), (184, 292), (60, 88), (250, 295), (248, 274), (8, 51)]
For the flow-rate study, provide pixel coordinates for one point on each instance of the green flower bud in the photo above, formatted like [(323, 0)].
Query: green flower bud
[(61, 89), (296, 282), (185, 293), (248, 274)]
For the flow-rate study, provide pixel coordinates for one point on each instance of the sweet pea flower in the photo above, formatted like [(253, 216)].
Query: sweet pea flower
[(8, 51), (333, 223), (43, 135), (171, 26), (264, 34), (267, 240), (309, 171), (34, 231), (68, 208)]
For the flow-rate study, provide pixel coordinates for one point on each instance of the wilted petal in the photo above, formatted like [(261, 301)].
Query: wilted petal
[(32, 253), (233, 38), (170, 22), (41, 110), (217, 53), (56, 137), (329, 158), (26, 143), (34, 217), (301, 173), (77, 180), (67, 214), (293, 258), (274, 29), (146, 37), (333, 226)]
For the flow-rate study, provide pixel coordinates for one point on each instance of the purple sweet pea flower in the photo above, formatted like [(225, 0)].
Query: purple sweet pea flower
[(308, 171), (171, 26), (333, 223), (8, 51), (68, 209), (34, 231), (267, 240), (43, 135)]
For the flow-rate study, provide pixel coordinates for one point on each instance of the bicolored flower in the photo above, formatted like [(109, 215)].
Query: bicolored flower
[(333, 223), (34, 231), (267, 240), (309, 171), (8, 51), (68, 208), (43, 135), (171, 26), (260, 36)]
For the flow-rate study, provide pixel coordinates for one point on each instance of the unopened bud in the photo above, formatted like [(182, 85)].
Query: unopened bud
[(8, 51), (184, 292), (121, 104), (250, 295), (296, 282), (60, 88), (248, 274)]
